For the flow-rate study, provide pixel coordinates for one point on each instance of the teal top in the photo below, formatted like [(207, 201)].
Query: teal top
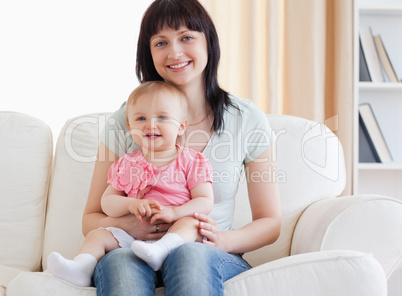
[(245, 135)]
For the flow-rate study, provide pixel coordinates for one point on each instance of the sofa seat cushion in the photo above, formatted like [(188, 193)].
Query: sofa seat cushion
[(7, 274), (43, 283), (327, 273)]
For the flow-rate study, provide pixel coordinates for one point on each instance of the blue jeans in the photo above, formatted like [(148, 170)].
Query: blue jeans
[(191, 269)]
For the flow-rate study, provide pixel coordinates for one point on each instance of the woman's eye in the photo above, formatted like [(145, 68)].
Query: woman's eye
[(187, 38), (161, 117), (141, 118), (161, 43)]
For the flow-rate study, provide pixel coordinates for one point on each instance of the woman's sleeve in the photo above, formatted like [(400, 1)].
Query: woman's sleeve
[(114, 134), (200, 171), (257, 135)]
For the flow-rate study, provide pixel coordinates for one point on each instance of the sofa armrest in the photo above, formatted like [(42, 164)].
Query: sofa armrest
[(327, 273), (366, 223)]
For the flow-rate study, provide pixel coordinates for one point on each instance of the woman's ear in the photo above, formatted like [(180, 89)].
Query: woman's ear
[(182, 127)]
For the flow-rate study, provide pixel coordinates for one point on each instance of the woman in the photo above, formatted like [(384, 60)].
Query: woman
[(179, 44)]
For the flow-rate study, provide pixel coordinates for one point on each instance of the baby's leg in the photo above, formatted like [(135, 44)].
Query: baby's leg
[(154, 253), (80, 270), (187, 228), (98, 242)]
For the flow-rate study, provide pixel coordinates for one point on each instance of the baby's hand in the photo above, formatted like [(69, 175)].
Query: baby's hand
[(166, 214), (143, 207), (144, 191)]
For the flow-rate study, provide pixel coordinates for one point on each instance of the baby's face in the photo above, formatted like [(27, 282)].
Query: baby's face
[(156, 120)]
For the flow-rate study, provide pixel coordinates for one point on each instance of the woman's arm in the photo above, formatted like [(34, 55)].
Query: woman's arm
[(94, 217), (265, 208), (202, 201)]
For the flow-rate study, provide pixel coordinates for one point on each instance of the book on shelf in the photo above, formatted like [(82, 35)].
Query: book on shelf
[(384, 58), (364, 74), (373, 144), (366, 149), (370, 54)]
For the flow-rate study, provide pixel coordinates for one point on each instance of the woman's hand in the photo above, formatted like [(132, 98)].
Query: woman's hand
[(143, 230), (209, 231)]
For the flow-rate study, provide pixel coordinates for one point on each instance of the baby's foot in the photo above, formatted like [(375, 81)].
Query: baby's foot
[(155, 253), (78, 271)]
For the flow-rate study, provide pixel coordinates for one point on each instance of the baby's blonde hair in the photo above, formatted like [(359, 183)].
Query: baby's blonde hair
[(149, 87)]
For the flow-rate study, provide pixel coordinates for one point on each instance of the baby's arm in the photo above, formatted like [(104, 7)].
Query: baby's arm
[(202, 201), (115, 203)]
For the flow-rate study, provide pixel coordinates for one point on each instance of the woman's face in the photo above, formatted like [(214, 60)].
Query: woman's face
[(180, 56)]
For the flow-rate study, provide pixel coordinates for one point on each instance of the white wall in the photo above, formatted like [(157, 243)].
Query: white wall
[(60, 59)]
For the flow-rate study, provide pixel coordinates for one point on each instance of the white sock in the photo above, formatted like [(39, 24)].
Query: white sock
[(78, 271), (155, 253)]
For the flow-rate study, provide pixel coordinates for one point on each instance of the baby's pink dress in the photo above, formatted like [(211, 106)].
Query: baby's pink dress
[(171, 184)]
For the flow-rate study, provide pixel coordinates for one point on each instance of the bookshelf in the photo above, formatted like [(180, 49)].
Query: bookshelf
[(385, 18)]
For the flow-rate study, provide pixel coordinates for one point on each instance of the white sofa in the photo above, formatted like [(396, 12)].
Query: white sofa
[(329, 245)]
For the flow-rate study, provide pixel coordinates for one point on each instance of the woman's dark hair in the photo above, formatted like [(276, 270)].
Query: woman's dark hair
[(174, 14)]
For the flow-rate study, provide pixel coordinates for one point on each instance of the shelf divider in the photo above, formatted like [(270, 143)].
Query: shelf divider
[(380, 166)]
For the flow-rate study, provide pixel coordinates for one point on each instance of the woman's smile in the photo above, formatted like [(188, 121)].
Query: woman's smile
[(179, 66)]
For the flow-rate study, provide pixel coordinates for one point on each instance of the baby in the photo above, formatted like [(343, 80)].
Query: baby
[(162, 181)]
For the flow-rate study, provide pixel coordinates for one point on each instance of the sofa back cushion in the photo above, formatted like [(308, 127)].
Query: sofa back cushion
[(26, 154), (74, 161), (310, 167)]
